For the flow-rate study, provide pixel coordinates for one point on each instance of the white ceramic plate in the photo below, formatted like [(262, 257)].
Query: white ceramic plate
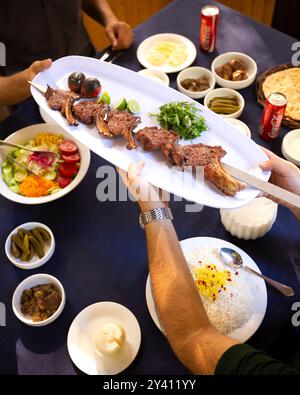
[(256, 284), (240, 126), (145, 46), (81, 335), (22, 136), (241, 151), (46, 117)]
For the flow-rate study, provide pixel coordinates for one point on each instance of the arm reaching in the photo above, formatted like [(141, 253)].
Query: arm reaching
[(285, 175), (194, 340), (119, 33), (15, 88)]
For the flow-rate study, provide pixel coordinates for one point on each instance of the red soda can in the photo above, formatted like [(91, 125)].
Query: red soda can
[(272, 116), (208, 29)]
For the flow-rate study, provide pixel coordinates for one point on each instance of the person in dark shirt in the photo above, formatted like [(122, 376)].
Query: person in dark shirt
[(49, 29), (199, 346)]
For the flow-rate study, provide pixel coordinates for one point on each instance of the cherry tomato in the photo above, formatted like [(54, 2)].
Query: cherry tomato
[(63, 181), (91, 87), (68, 169), (72, 158), (68, 147), (75, 81)]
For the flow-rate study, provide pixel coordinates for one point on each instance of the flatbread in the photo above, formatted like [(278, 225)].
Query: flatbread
[(287, 82)]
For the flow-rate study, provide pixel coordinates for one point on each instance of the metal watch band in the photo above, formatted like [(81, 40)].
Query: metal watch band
[(154, 215)]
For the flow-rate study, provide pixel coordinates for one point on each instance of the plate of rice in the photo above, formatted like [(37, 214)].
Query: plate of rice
[(234, 299)]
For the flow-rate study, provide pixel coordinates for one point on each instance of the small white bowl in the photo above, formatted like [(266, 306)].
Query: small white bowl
[(225, 92), (196, 72), (35, 261), (250, 66), (291, 146), (30, 282), (155, 75), (240, 126)]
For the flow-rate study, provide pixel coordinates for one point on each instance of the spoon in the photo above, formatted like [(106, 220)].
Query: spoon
[(233, 259)]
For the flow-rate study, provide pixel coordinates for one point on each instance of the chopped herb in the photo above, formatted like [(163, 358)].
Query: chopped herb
[(182, 117)]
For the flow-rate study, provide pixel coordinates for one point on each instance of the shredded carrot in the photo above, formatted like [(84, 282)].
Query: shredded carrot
[(33, 186), (47, 139)]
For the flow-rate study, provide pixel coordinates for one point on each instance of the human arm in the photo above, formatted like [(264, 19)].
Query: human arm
[(285, 175), (194, 340), (119, 32), (15, 88)]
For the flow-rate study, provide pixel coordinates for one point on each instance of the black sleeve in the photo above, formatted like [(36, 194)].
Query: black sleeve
[(242, 359)]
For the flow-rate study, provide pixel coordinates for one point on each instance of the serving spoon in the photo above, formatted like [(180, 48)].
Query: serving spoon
[(233, 259), (51, 153)]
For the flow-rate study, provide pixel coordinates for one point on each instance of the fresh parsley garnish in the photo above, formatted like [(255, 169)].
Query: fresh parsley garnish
[(183, 118)]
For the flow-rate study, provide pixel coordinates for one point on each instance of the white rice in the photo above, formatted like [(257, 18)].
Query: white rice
[(233, 307)]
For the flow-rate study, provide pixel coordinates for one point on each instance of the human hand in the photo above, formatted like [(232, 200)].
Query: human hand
[(146, 195), (36, 67), (285, 175), (120, 34)]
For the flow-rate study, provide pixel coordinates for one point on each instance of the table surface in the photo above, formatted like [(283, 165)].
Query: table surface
[(101, 252)]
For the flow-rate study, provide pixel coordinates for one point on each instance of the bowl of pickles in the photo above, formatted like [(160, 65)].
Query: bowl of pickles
[(30, 245), (226, 102)]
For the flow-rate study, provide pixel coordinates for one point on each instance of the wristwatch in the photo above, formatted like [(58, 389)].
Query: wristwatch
[(154, 215)]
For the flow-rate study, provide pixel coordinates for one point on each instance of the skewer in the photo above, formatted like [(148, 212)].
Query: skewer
[(39, 87)]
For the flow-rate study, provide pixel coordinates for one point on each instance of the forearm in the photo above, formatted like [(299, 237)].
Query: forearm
[(296, 212), (14, 89), (196, 343), (100, 11)]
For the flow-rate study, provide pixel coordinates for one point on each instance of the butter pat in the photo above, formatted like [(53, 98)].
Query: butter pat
[(109, 339), (251, 221)]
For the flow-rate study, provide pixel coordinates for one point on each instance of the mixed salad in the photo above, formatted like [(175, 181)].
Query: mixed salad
[(48, 173)]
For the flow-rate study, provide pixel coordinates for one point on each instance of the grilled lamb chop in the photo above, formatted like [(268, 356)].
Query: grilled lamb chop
[(122, 123), (100, 122), (196, 154), (205, 155), (67, 111), (61, 100), (85, 110), (153, 138)]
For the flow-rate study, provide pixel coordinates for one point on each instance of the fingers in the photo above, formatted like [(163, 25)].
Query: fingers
[(268, 165), (120, 35), (40, 65), (112, 37), (135, 170)]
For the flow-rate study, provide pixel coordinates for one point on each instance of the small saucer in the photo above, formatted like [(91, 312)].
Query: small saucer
[(82, 332)]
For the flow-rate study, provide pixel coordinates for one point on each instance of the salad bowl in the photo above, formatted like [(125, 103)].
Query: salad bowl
[(23, 136)]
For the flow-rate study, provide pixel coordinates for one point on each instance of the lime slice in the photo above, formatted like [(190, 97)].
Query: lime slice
[(133, 106), (121, 106), (104, 98)]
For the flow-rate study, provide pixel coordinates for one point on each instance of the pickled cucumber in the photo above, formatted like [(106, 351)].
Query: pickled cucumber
[(27, 243)]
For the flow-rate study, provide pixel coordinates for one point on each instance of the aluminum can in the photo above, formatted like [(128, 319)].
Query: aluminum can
[(273, 113), (208, 29)]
